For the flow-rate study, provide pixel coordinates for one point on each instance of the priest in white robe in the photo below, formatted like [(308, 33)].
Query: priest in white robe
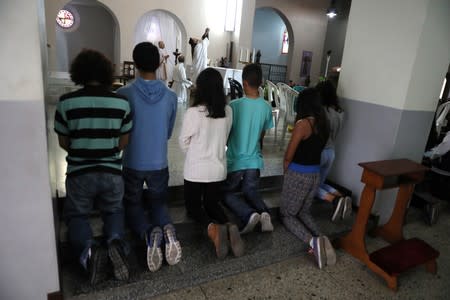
[(199, 54), (161, 72), (180, 82)]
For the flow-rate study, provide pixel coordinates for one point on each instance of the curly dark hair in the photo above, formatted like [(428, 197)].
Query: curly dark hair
[(91, 66), (146, 57), (209, 92), (327, 91), (309, 105), (252, 73)]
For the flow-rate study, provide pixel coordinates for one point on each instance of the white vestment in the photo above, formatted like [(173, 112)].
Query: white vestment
[(200, 59), (180, 82), (161, 72)]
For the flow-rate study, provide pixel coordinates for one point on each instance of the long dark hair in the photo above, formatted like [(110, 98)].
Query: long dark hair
[(327, 91), (309, 105), (210, 93)]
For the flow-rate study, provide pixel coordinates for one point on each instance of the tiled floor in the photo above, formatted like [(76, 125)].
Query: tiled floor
[(298, 278), (276, 266)]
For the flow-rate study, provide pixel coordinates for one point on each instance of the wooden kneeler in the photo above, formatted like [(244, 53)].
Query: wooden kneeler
[(402, 254)]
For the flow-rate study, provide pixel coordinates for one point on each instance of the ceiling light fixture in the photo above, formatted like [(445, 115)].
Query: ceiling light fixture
[(331, 11)]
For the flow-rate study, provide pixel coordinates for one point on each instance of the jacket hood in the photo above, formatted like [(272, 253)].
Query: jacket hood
[(152, 91)]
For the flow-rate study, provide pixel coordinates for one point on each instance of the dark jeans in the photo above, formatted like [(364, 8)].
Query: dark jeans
[(202, 201), (82, 191), (155, 199), (247, 182)]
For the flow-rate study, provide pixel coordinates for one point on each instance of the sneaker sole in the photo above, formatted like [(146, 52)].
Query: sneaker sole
[(100, 261), (254, 219), (173, 252), (120, 267), (339, 208), (236, 243), (266, 223), (154, 258), (329, 252)]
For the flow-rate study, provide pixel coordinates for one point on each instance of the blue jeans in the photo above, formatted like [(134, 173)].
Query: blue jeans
[(82, 190), (326, 162), (154, 200), (247, 182)]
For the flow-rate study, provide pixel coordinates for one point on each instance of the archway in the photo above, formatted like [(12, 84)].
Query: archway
[(94, 26), (271, 25), (162, 25)]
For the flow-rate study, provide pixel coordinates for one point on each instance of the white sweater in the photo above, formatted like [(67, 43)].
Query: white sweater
[(204, 141)]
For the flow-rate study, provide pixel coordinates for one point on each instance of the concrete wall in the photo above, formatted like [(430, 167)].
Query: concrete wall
[(70, 43), (392, 71), (28, 262), (309, 24), (268, 26)]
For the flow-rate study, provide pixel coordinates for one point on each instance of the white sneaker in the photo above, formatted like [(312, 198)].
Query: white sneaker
[(329, 251), (173, 248), (252, 221), (347, 210), (154, 252), (266, 223), (338, 209)]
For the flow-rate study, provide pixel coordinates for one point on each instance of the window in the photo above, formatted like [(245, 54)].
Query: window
[(285, 43), (65, 19)]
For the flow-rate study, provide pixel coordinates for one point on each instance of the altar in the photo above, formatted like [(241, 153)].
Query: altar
[(226, 73)]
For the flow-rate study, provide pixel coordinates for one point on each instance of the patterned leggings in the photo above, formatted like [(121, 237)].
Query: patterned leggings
[(296, 199)]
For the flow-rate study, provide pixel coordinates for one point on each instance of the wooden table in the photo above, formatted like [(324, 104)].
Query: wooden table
[(379, 175)]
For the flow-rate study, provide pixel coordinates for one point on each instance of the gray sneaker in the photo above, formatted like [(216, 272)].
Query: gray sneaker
[(154, 253), (319, 251), (329, 251), (347, 210), (173, 247), (266, 222), (338, 209), (252, 221)]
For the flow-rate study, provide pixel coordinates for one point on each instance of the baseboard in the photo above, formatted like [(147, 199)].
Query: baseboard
[(55, 296)]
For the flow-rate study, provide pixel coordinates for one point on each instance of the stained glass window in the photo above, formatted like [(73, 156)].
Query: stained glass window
[(65, 18), (285, 43)]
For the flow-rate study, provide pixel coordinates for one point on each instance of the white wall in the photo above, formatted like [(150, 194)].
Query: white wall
[(377, 68), (94, 32), (268, 26), (309, 23), (28, 263), (393, 65)]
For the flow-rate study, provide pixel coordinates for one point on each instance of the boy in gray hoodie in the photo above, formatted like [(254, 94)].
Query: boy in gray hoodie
[(154, 108)]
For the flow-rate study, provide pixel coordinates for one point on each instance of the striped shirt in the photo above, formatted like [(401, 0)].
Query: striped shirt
[(94, 119)]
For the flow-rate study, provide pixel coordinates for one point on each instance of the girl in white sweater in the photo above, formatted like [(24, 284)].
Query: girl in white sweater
[(203, 138)]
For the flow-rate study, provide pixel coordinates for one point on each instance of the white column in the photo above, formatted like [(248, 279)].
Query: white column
[(28, 262)]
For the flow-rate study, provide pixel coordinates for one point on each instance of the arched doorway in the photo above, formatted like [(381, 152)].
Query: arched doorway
[(161, 25), (271, 25), (94, 26)]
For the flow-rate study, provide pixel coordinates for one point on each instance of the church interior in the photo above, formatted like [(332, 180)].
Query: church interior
[(390, 63)]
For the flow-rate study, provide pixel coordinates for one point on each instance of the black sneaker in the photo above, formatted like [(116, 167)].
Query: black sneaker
[(97, 265), (118, 260)]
